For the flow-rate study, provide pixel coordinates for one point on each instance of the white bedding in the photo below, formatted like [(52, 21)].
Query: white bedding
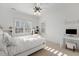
[(16, 45), (24, 43), (3, 48)]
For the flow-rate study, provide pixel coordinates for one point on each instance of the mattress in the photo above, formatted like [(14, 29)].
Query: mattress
[(24, 43)]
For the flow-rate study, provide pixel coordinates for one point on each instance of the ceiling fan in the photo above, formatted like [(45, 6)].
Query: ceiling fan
[(37, 9)]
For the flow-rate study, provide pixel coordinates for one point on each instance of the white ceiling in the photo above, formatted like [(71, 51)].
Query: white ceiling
[(70, 10), (24, 7), (28, 7)]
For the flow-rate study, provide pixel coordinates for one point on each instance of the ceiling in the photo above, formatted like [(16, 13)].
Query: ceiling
[(24, 7), (28, 7), (68, 9)]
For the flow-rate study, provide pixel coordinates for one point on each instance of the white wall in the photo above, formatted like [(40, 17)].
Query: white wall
[(54, 21), (7, 16), (71, 13), (58, 18)]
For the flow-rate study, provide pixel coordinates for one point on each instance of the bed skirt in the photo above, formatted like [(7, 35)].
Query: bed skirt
[(30, 51)]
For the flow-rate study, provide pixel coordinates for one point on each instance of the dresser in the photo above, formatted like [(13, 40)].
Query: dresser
[(71, 39)]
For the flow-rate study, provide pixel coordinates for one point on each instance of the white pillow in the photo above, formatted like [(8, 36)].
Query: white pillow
[(1, 37), (3, 48), (1, 32), (6, 38), (2, 45), (4, 41)]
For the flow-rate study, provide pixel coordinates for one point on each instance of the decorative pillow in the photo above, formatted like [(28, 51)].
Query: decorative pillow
[(5, 41), (3, 48), (2, 45), (1, 38), (6, 38)]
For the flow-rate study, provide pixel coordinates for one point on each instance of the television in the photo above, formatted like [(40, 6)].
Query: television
[(71, 31)]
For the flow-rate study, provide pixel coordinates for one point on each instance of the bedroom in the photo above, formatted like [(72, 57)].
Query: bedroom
[(19, 24)]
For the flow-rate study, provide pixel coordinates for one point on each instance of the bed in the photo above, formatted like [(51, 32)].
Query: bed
[(21, 45), (25, 45)]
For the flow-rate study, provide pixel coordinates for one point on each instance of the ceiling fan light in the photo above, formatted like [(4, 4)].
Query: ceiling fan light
[(37, 13), (37, 9)]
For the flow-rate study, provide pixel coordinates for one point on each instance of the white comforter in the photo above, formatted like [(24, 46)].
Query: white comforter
[(24, 43)]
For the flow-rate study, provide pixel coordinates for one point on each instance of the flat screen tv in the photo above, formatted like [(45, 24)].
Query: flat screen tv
[(71, 31)]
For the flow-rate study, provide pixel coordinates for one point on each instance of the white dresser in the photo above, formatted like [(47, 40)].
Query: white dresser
[(71, 40)]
